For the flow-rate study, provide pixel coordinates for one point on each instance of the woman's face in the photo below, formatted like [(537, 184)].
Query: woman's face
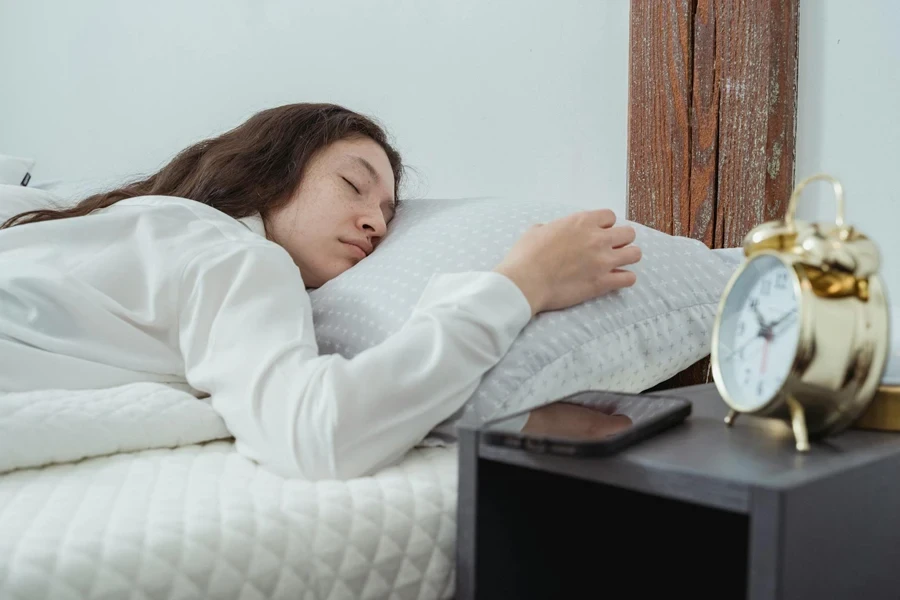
[(340, 211)]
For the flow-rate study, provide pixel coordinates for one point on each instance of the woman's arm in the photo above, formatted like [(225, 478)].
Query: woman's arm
[(247, 338)]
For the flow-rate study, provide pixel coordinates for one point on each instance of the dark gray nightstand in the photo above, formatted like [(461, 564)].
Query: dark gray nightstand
[(702, 509)]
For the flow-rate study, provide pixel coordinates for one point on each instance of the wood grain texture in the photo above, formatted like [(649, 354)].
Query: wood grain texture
[(712, 115), (711, 119), (704, 125), (659, 137), (756, 54)]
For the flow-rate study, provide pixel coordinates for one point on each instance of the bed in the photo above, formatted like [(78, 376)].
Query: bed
[(202, 522), (189, 518), (137, 492)]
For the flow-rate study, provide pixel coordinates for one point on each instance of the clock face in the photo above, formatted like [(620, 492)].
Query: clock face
[(758, 333)]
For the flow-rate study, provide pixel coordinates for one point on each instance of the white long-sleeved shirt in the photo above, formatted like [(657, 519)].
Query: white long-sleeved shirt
[(168, 290)]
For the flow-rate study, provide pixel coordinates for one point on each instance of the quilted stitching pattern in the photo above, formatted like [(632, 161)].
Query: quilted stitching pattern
[(203, 522), (50, 426)]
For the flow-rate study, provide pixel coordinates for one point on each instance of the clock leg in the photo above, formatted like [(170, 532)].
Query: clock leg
[(798, 421), (732, 415)]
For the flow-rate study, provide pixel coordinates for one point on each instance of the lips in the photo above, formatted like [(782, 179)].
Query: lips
[(364, 248)]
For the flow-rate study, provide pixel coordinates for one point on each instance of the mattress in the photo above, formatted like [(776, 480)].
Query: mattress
[(200, 521)]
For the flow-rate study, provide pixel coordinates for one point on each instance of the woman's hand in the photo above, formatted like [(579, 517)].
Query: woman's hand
[(571, 260)]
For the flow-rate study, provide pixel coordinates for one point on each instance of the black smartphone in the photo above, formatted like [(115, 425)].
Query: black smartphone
[(587, 423)]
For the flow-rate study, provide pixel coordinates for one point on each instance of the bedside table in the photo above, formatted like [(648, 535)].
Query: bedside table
[(704, 509)]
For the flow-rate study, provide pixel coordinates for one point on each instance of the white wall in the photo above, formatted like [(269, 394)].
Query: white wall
[(847, 118), (514, 98)]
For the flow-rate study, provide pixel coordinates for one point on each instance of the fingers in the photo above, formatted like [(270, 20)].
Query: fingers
[(628, 255), (620, 279), (602, 218), (620, 236)]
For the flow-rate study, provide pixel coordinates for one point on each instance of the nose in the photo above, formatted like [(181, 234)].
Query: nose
[(373, 223)]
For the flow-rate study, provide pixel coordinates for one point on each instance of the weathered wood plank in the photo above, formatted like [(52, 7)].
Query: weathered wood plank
[(659, 137), (704, 125), (712, 116), (756, 57)]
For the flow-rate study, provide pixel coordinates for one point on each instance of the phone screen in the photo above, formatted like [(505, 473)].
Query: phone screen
[(591, 417)]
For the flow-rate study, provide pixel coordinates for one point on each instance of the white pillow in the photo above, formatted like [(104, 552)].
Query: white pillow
[(628, 340), (15, 170), (16, 199)]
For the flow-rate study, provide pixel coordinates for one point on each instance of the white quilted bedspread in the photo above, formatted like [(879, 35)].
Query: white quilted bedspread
[(56, 426), (200, 521)]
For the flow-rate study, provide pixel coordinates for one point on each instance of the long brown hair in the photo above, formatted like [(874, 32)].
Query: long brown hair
[(251, 169)]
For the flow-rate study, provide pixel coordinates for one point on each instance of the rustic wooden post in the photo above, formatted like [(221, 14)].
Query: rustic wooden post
[(712, 115), (712, 101)]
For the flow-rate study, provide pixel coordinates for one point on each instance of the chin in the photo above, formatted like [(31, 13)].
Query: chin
[(324, 277), (314, 280)]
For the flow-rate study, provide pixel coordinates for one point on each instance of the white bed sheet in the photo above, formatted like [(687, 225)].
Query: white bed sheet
[(200, 521)]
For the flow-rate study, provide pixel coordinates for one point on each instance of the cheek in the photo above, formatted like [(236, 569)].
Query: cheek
[(323, 206), (317, 214), (298, 219), (286, 227)]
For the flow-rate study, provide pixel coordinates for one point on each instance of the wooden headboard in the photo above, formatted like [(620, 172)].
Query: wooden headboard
[(712, 100)]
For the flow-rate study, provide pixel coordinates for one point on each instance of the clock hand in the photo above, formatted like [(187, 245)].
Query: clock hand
[(766, 331), (769, 331), (759, 317), (781, 319), (744, 345)]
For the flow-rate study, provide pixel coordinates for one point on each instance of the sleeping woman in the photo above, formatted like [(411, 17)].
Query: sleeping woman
[(197, 277)]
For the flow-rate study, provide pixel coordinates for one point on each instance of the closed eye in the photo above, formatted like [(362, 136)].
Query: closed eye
[(350, 183)]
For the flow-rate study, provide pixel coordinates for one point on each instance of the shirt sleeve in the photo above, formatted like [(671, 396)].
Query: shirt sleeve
[(247, 338)]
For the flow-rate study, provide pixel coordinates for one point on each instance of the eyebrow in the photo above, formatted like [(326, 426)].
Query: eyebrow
[(368, 167)]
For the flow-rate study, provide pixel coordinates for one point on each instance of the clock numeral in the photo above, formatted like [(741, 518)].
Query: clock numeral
[(759, 389), (765, 287), (754, 303), (747, 374), (781, 280), (742, 327)]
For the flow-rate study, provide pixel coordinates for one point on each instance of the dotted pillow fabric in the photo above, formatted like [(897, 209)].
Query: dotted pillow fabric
[(627, 341)]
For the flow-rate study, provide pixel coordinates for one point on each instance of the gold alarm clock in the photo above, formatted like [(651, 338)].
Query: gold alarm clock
[(801, 332)]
